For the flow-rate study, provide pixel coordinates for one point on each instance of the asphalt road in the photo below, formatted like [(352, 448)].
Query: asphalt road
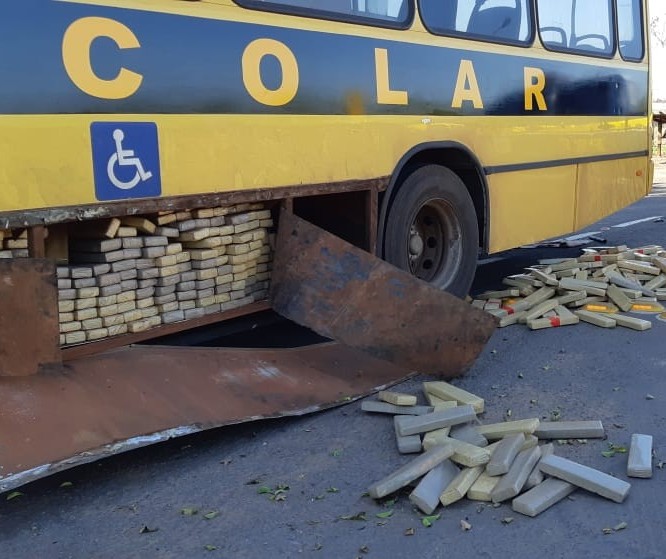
[(328, 459)]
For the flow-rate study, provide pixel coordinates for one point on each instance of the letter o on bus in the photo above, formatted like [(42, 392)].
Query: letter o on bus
[(252, 57)]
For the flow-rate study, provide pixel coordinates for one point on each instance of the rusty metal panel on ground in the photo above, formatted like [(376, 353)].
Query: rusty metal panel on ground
[(131, 397), (29, 335), (347, 294)]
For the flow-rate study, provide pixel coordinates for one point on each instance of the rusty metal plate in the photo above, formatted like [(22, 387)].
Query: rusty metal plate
[(127, 398), (29, 336), (345, 293)]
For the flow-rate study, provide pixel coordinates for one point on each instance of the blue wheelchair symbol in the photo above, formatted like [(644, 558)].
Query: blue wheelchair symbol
[(126, 161)]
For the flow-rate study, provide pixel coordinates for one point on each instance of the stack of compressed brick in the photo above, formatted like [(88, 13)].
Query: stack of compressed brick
[(455, 459), (13, 243), (131, 274), (597, 287), (100, 293)]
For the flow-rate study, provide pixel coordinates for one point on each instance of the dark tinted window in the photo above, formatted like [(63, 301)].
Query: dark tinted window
[(582, 26), (495, 20), (388, 12), (630, 29)]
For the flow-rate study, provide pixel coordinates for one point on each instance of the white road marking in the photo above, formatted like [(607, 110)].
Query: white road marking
[(636, 221), (657, 191)]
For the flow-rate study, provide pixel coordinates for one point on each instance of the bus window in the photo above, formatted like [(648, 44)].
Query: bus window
[(383, 11), (503, 21), (630, 29), (581, 26)]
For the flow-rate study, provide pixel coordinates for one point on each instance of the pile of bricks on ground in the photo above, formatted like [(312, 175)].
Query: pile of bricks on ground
[(13, 243), (456, 460), (134, 273), (596, 287)]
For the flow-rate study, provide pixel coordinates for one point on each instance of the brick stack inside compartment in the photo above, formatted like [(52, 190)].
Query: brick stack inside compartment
[(13, 243), (135, 273)]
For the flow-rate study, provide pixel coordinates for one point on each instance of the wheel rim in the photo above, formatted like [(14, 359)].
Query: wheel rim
[(434, 244)]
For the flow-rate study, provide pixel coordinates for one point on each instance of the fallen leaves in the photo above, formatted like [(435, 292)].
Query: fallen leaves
[(619, 527), (14, 495), (428, 521), (278, 493), (357, 516), (614, 449)]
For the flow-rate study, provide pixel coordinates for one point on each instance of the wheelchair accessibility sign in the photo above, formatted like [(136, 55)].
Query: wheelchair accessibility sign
[(126, 160)]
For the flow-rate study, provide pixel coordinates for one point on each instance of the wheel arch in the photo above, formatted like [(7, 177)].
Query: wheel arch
[(455, 156)]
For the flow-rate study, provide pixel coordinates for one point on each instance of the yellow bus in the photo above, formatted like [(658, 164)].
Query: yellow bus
[(424, 130), (147, 145)]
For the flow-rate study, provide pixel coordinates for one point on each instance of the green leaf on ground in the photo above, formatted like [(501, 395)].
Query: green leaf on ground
[(188, 511), (14, 495), (427, 521), (210, 515), (66, 484), (336, 452), (385, 514), (357, 516), (210, 547), (332, 490), (614, 449)]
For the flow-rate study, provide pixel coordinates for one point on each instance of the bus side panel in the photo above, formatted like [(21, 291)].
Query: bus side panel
[(527, 206), (605, 187)]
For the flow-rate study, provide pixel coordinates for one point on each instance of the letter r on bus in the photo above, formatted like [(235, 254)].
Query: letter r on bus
[(535, 83), (76, 44)]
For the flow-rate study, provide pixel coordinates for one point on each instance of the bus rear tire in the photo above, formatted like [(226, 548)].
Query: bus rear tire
[(432, 230)]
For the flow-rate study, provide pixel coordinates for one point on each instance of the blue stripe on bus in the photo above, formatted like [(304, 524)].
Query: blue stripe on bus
[(192, 65)]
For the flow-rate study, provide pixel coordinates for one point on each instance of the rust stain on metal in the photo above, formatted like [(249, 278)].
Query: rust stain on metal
[(344, 293), (122, 399), (29, 337), (50, 216)]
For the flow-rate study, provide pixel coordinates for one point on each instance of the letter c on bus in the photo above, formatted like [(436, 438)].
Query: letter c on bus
[(252, 57), (76, 44)]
